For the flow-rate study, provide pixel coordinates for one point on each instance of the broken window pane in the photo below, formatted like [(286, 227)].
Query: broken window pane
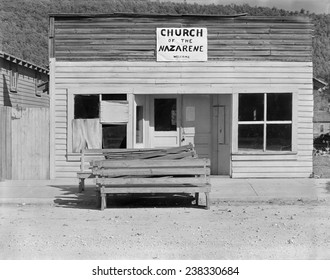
[(165, 114), (250, 136), (114, 136), (114, 96), (279, 137), (251, 107), (86, 106), (279, 107)]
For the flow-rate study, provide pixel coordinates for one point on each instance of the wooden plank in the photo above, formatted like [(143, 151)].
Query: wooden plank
[(151, 171), (151, 163), (264, 157), (258, 164), (151, 181), (162, 189), (271, 175)]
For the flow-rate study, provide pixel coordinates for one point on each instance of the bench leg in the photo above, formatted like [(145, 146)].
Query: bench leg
[(81, 184), (103, 201), (103, 198), (196, 198), (207, 200), (98, 198)]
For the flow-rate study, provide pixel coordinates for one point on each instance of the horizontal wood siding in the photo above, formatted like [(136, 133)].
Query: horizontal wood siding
[(217, 77), (134, 38), (25, 96)]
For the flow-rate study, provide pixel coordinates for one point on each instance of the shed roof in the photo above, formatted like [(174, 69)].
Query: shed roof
[(319, 84), (23, 62)]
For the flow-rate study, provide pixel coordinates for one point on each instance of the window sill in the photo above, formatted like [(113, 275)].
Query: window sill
[(73, 157), (261, 153)]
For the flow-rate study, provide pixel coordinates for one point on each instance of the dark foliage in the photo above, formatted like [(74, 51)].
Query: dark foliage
[(24, 23)]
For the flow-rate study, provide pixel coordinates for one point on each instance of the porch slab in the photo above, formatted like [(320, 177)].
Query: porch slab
[(223, 189)]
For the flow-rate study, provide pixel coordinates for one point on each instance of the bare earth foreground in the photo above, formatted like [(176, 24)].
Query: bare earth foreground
[(260, 230)]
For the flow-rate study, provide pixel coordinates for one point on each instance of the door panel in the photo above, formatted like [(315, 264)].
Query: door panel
[(165, 121), (196, 123)]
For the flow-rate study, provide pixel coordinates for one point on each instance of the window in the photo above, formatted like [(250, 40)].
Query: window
[(165, 114), (13, 77), (114, 136), (139, 124), (265, 122), (37, 82), (86, 130)]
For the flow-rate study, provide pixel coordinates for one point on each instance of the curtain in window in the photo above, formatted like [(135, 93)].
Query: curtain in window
[(86, 134)]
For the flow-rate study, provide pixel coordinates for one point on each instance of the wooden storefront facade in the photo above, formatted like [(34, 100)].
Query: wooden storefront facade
[(247, 104)]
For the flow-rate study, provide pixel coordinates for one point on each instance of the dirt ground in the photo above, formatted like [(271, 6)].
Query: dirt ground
[(259, 230)]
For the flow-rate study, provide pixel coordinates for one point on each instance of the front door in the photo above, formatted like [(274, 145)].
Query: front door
[(165, 112)]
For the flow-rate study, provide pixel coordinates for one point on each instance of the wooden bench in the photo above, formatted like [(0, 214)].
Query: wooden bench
[(89, 155), (188, 175)]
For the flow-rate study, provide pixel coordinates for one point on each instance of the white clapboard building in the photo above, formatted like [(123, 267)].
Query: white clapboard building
[(238, 87)]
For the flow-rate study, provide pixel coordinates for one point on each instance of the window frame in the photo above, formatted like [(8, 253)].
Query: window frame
[(264, 122), (13, 77), (70, 94)]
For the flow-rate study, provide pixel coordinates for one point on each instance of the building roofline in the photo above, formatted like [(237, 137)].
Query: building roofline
[(300, 18), (23, 62), (137, 15)]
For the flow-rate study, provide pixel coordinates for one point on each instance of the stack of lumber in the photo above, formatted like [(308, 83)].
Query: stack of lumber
[(176, 153)]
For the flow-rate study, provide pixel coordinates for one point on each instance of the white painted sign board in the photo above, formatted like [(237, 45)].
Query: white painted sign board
[(181, 44)]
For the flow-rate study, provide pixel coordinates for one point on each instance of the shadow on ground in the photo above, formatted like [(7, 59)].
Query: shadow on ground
[(71, 198)]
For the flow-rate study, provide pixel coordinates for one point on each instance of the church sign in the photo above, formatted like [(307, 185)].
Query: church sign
[(181, 44)]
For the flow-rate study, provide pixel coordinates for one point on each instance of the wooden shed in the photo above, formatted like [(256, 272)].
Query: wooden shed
[(238, 87), (24, 119)]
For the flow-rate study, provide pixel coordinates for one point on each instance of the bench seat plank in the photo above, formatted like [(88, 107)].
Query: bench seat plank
[(150, 172), (151, 163), (155, 189), (151, 181)]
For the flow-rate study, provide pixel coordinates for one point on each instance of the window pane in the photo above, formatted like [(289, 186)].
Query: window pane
[(251, 107), (279, 106), (139, 124), (86, 106), (114, 96), (250, 136), (165, 114), (114, 136), (278, 137)]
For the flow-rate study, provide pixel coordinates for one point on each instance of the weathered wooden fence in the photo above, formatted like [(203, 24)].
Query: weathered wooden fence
[(24, 146)]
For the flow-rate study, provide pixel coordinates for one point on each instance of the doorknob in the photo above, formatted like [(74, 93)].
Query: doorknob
[(183, 139)]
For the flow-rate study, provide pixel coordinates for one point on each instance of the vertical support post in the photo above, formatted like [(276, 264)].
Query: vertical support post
[(196, 198), (207, 200), (103, 199), (81, 184)]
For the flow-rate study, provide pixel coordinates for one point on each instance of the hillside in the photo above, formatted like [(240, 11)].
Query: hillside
[(24, 23)]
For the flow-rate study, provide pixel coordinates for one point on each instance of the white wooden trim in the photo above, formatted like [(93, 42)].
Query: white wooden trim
[(181, 89), (131, 117), (294, 144), (234, 133), (70, 116), (52, 147), (213, 63)]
